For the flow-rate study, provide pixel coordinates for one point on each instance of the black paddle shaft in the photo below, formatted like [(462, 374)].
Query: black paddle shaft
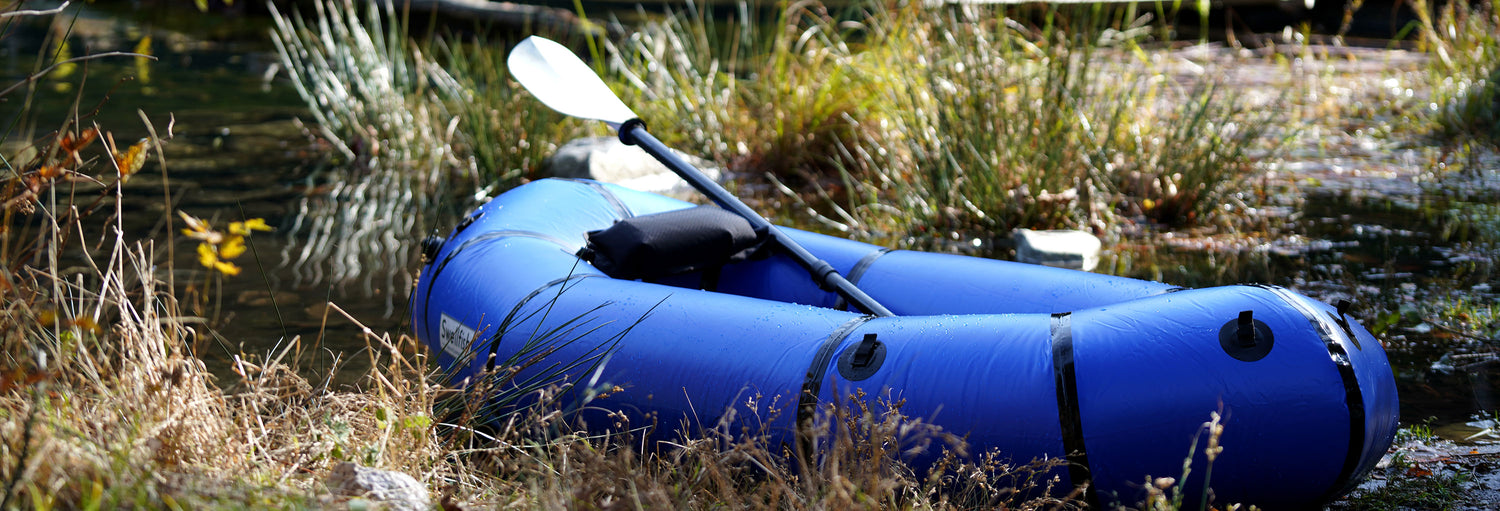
[(633, 132)]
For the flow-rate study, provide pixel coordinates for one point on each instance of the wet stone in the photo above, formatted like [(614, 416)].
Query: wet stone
[(393, 490), (1077, 250), (609, 160)]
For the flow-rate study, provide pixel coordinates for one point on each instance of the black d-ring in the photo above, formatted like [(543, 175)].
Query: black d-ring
[(1246, 338), (863, 360)]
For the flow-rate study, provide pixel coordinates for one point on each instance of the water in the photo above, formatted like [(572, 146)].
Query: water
[(1366, 216), (237, 151)]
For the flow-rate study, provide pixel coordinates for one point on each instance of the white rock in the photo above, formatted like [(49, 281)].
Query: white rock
[(609, 160), (393, 490), (1061, 248)]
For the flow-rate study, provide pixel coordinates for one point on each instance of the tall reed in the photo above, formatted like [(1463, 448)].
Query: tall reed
[(1463, 37), (770, 90), (383, 105), (904, 121), (507, 141)]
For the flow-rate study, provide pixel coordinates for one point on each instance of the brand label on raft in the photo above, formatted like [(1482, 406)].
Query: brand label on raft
[(454, 336)]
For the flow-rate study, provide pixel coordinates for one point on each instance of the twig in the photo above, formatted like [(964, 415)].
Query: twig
[(166, 190), (1463, 334), (39, 74), (53, 10), (1476, 365)]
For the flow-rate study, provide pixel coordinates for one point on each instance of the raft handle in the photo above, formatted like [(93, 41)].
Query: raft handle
[(467, 221), (865, 351), (1247, 329), (1342, 320), (430, 247)]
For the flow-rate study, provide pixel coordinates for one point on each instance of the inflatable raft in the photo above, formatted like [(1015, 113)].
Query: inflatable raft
[(1115, 375)]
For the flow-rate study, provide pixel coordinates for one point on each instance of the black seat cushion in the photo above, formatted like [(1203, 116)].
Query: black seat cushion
[(684, 240)]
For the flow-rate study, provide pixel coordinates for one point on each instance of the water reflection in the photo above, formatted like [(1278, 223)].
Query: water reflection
[(237, 151)]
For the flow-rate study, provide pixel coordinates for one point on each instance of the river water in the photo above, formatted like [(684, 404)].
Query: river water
[(237, 151), (1367, 216)]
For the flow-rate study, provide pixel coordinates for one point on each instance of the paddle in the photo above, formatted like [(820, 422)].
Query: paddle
[(564, 83)]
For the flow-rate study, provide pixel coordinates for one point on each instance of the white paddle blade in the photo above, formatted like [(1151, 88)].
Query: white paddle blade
[(564, 83)]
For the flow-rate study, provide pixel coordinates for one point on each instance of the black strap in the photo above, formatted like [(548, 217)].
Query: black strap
[(812, 384), (708, 278), (1069, 415), (858, 271), (1354, 399)]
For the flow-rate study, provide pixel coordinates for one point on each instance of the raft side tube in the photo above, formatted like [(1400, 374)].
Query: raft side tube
[(1151, 371), (674, 362), (1115, 375)]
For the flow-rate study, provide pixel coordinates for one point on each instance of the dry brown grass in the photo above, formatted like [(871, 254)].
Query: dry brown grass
[(123, 415), (126, 416)]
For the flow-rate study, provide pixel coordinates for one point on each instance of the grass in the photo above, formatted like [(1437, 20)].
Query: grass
[(508, 145), (1437, 492), (126, 416), (1062, 126), (896, 121), (1464, 37), (893, 122), (384, 107)]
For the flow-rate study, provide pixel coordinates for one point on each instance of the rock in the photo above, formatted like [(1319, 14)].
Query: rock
[(609, 160), (1061, 248), (393, 490)]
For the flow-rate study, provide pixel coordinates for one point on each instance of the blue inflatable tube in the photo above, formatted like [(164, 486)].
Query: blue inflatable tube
[(1115, 375)]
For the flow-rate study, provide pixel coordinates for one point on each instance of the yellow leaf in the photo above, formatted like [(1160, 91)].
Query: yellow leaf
[(52, 171), (60, 54), (46, 317), (193, 222), (206, 255), (244, 228), (88, 325), (233, 246), (227, 268), (143, 64), (132, 159), (71, 143), (200, 230)]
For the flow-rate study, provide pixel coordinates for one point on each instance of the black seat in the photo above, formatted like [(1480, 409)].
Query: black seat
[(650, 247)]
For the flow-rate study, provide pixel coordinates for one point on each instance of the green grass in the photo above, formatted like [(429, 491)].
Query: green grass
[(892, 122), (506, 143), (899, 121), (1463, 38), (1435, 492), (1063, 125)]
